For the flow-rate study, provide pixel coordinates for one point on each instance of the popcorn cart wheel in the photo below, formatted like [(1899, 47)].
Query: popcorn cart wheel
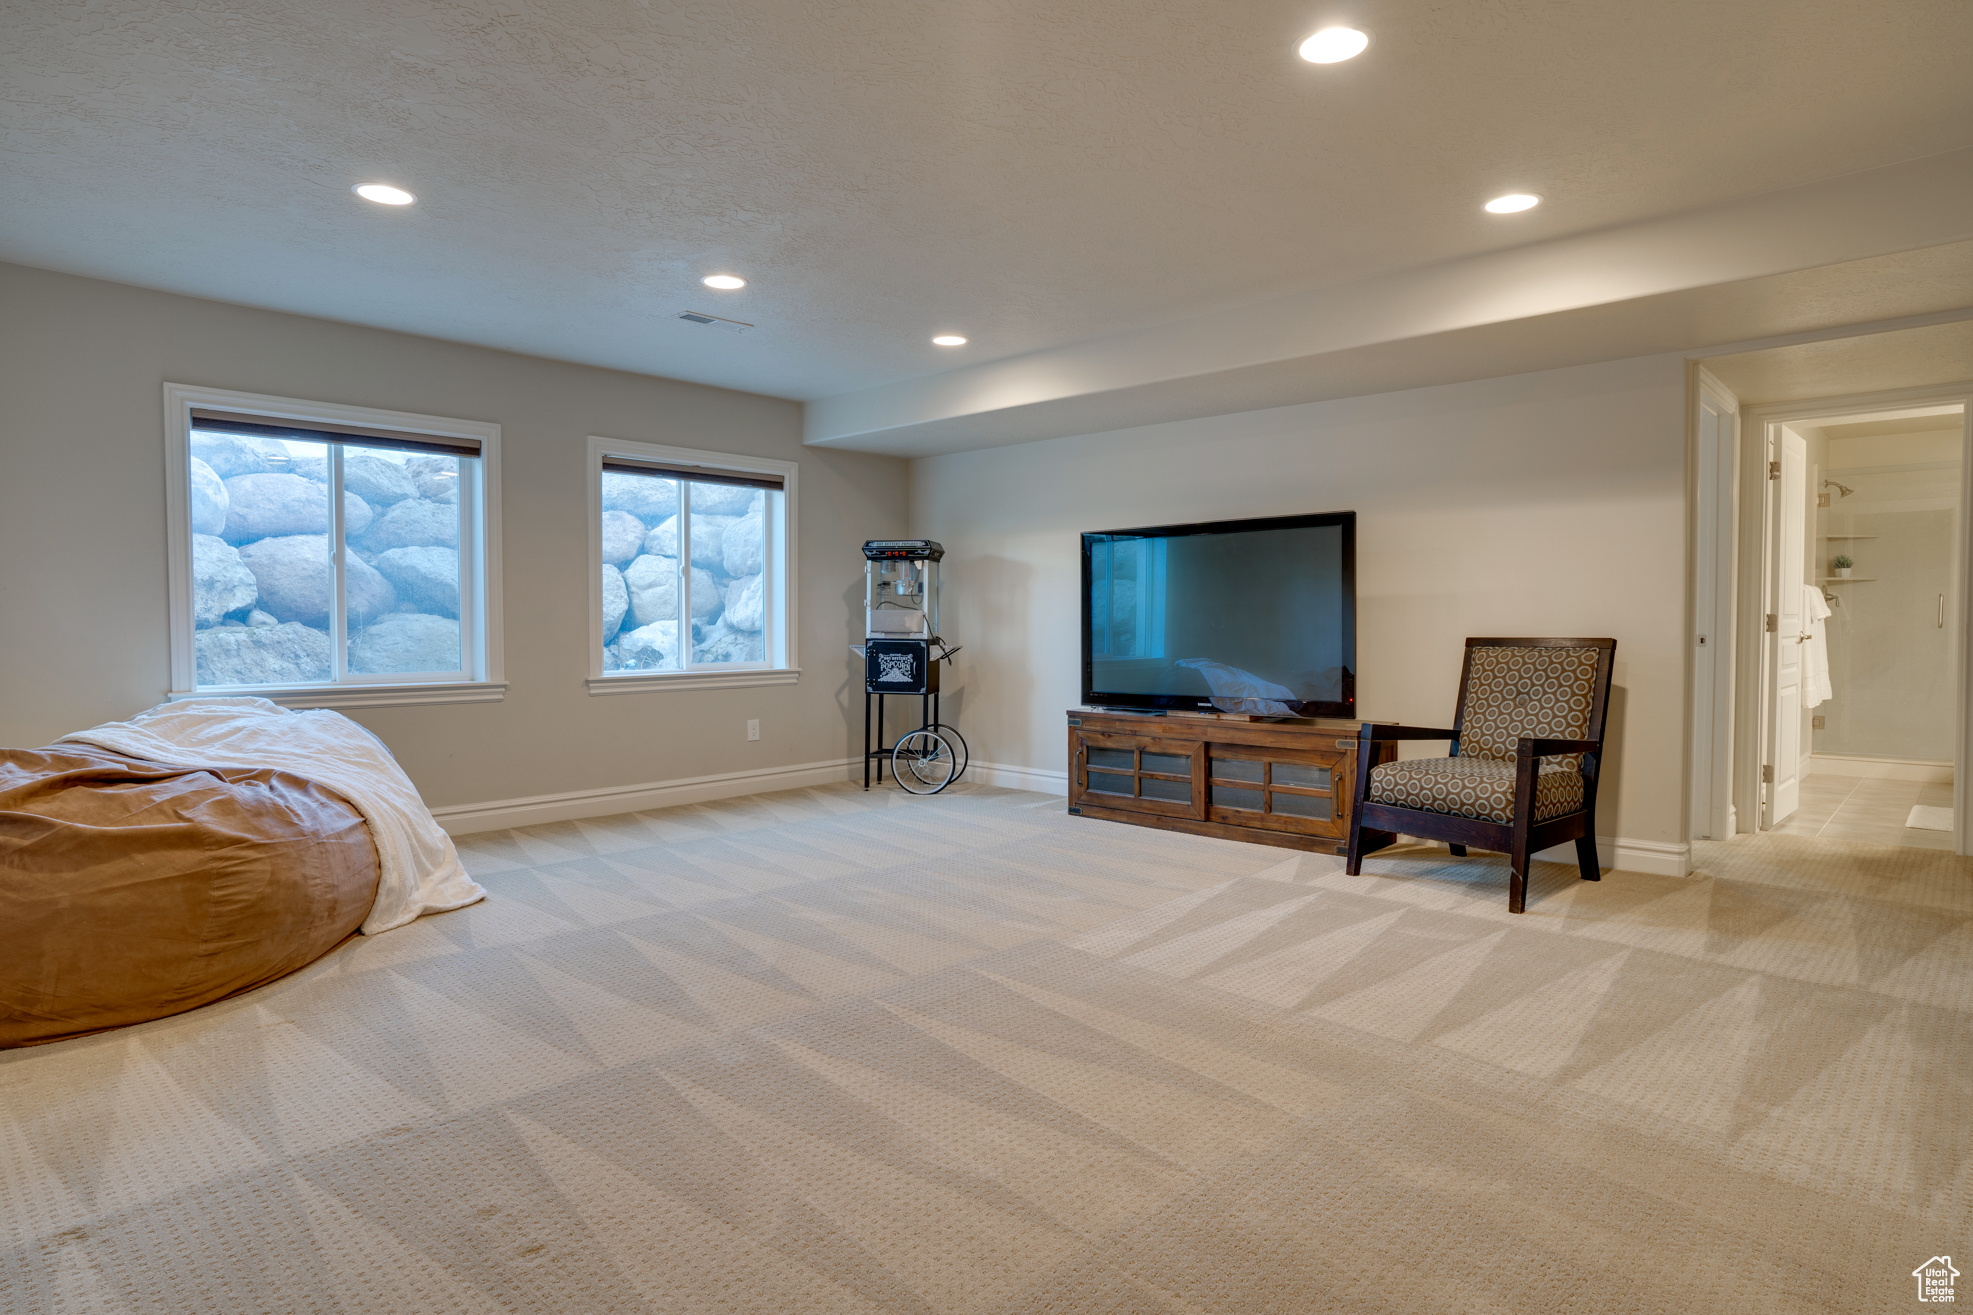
[(923, 762)]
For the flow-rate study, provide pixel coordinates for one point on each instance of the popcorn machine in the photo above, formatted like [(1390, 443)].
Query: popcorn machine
[(902, 652)]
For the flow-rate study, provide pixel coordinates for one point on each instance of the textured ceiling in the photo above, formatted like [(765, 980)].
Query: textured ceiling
[(1027, 173)]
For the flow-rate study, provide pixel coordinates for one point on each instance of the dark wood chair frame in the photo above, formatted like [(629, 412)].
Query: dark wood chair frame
[(1375, 826)]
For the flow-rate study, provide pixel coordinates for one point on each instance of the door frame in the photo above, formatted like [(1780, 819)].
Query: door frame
[(1714, 496), (1759, 427), (1785, 624)]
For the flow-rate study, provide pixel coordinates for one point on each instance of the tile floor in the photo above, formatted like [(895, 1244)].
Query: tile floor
[(1867, 810)]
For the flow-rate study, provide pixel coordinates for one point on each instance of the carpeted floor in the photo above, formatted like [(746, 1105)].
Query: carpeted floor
[(822, 1051)]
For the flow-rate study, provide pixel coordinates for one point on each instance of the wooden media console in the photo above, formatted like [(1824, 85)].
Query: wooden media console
[(1287, 783)]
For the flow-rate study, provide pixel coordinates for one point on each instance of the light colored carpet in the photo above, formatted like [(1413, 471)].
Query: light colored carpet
[(822, 1051)]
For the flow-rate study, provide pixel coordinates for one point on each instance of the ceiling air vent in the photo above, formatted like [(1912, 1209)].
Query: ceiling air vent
[(715, 322)]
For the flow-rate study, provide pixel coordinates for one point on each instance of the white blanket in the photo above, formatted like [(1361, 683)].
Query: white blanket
[(1234, 690), (420, 870), (1816, 689)]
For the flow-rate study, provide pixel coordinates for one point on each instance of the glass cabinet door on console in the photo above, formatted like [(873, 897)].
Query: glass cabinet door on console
[(1139, 773), (1275, 789), (1283, 783)]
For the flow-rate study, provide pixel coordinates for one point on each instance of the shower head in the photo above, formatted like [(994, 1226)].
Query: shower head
[(1842, 490)]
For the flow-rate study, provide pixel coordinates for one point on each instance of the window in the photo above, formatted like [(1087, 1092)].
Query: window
[(690, 569), (1127, 590), (330, 556)]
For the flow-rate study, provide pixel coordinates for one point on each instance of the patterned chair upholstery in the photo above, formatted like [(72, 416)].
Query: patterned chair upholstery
[(1527, 744), (1474, 787), (1510, 692)]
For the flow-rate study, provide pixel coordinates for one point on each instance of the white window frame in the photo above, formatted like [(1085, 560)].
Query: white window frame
[(781, 621), (479, 537)]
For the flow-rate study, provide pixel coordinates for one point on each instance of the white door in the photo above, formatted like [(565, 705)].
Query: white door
[(1786, 628)]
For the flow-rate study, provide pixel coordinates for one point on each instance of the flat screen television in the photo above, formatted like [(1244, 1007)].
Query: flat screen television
[(1255, 616)]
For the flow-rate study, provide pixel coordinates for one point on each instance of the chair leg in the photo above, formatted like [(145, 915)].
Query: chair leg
[(1586, 858), (1525, 766), (1458, 851), (1363, 841)]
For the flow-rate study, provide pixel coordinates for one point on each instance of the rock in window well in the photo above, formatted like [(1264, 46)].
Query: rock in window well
[(329, 556)]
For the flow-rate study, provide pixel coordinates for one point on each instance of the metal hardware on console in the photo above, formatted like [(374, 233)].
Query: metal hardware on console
[(901, 653)]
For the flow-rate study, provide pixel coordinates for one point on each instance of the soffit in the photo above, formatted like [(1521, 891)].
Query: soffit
[(1086, 389), (1944, 421), (1032, 174), (1920, 357)]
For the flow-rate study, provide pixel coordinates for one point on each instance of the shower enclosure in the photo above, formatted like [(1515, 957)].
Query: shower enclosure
[(1892, 510)]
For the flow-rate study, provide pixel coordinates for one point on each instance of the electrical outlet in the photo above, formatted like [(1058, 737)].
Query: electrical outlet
[(753, 729), (1818, 724)]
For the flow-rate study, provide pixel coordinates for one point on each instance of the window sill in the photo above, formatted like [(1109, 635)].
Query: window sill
[(648, 682), (356, 696)]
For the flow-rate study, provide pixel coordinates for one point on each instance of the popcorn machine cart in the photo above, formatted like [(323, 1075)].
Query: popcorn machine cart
[(902, 653)]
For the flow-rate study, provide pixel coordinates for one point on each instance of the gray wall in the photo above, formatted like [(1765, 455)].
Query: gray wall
[(1537, 504), (82, 538)]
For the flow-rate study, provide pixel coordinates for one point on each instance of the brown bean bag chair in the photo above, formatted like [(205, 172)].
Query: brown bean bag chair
[(130, 891)]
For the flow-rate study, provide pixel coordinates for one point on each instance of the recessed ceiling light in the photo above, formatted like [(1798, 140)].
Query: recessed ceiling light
[(948, 340), (383, 194), (724, 282), (1333, 45), (1512, 203)]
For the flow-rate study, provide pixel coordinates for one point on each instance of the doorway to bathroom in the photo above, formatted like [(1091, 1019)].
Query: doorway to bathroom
[(1860, 631)]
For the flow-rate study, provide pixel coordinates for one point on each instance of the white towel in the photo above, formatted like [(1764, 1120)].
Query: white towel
[(420, 870), (1815, 655), (1926, 817)]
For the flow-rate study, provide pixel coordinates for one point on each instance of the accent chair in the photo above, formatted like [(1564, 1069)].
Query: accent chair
[(1527, 740)]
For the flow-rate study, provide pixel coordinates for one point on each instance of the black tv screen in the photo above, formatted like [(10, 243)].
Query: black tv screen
[(1254, 616)]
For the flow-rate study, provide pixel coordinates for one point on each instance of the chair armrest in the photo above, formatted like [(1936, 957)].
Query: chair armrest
[(1374, 731), (1534, 748)]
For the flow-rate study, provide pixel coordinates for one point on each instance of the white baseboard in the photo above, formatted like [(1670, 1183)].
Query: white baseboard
[(1010, 777), (1880, 769), (1648, 856), (464, 819), (1655, 858)]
